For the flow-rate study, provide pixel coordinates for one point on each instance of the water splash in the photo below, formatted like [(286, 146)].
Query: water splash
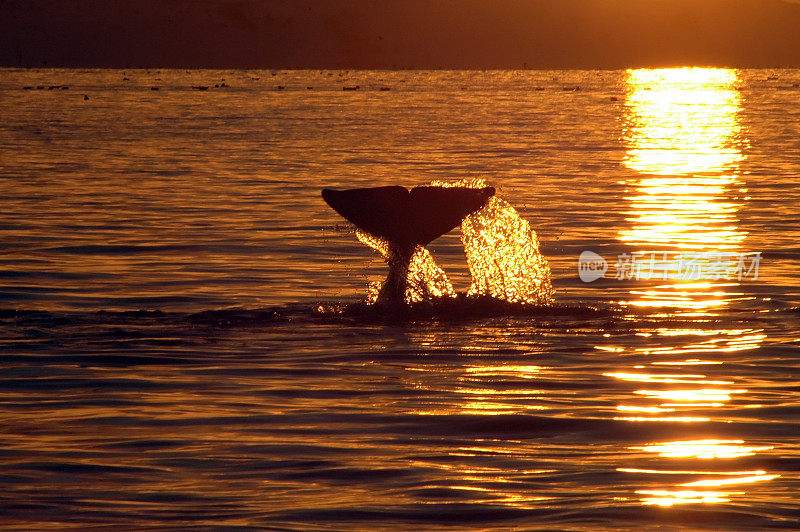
[(426, 280), (502, 254)]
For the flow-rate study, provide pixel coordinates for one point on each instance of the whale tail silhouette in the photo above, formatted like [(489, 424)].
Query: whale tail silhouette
[(405, 219)]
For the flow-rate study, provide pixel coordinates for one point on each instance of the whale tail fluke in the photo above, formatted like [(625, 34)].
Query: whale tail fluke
[(405, 219)]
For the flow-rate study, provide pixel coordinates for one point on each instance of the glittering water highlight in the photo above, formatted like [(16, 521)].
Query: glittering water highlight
[(503, 256)]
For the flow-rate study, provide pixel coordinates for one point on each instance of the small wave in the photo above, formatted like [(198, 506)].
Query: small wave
[(121, 249), (459, 308), (462, 307)]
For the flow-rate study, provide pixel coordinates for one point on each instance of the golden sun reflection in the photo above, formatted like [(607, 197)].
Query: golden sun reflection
[(685, 141), (472, 384), (729, 481), (670, 498), (523, 372), (704, 449), (683, 121)]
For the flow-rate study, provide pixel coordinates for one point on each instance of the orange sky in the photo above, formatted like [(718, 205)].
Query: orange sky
[(400, 34)]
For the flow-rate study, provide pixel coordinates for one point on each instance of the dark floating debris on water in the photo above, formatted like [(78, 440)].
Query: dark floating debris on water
[(27, 88), (309, 88), (154, 88), (224, 85), (614, 99), (48, 87), (200, 87), (571, 89), (351, 88), (281, 87), (85, 97), (385, 88)]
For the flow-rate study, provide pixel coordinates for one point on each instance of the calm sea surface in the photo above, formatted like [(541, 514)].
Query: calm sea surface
[(176, 348)]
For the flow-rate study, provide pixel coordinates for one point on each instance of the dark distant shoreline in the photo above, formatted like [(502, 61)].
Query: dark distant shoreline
[(399, 35), (433, 69)]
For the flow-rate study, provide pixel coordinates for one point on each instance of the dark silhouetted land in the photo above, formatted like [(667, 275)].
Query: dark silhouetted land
[(399, 34)]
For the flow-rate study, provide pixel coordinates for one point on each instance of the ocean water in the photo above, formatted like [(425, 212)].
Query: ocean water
[(182, 343)]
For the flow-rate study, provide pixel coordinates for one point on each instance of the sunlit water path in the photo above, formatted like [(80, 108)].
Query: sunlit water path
[(178, 349)]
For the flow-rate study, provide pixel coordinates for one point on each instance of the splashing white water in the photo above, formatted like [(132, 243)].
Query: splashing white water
[(426, 279), (502, 254)]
